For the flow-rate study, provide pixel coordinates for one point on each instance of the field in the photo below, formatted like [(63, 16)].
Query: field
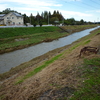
[(18, 38)]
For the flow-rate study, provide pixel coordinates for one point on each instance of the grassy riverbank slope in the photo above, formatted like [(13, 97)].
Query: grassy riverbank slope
[(18, 38), (58, 75)]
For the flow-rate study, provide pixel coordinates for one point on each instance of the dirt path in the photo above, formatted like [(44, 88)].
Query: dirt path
[(58, 80)]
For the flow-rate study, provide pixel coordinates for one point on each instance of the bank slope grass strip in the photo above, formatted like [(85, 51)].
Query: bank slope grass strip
[(38, 69), (12, 32), (91, 87)]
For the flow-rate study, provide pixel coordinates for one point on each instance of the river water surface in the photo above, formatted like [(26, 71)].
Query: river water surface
[(15, 58)]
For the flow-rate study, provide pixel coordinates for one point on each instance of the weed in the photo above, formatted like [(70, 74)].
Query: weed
[(91, 86), (2, 97), (87, 42), (95, 61)]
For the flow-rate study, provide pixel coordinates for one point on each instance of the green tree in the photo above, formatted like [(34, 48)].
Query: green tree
[(70, 21), (26, 19), (81, 21), (32, 18)]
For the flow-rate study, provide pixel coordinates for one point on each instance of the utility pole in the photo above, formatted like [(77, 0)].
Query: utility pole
[(30, 20), (48, 18), (98, 20)]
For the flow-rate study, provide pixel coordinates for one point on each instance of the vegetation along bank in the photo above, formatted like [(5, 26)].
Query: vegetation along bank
[(17, 38)]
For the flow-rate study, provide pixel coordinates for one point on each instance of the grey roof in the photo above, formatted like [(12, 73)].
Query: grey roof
[(2, 15), (18, 15), (1, 20)]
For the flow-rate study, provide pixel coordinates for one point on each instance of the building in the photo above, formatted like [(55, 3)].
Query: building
[(11, 19)]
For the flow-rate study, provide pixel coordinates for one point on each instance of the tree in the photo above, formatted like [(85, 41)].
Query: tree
[(26, 19), (81, 21), (45, 14), (54, 12), (70, 21), (6, 11), (32, 18), (42, 15), (53, 20)]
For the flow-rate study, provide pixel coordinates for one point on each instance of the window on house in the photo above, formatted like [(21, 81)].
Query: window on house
[(12, 17), (8, 17), (19, 23), (13, 23)]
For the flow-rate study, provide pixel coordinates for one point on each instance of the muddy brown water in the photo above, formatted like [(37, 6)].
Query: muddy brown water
[(15, 58)]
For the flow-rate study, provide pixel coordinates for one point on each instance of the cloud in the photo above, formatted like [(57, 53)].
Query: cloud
[(29, 6), (3, 6), (76, 15), (73, 13), (33, 2)]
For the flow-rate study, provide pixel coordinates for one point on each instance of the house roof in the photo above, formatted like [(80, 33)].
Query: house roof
[(2, 15), (16, 14), (1, 20)]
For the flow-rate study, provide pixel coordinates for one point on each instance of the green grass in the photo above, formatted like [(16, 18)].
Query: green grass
[(2, 97), (12, 32), (38, 69), (86, 42), (91, 86)]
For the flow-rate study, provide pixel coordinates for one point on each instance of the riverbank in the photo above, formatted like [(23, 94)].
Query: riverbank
[(18, 38), (56, 75)]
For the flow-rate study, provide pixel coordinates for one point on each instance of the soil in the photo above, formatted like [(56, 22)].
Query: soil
[(57, 81)]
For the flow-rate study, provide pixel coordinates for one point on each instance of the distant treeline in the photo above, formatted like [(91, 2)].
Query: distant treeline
[(48, 18)]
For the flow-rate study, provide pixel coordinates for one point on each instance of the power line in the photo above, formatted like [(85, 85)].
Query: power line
[(83, 4), (95, 2), (90, 5), (74, 4)]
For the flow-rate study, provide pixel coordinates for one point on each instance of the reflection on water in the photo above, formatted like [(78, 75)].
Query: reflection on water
[(15, 58)]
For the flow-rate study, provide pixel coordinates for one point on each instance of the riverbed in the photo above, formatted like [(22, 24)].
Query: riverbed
[(15, 58)]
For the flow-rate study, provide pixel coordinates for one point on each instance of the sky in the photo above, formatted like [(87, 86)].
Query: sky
[(88, 10)]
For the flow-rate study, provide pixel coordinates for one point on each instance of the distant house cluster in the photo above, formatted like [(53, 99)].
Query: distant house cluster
[(11, 19)]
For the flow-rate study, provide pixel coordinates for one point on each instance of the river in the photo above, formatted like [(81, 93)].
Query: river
[(15, 58)]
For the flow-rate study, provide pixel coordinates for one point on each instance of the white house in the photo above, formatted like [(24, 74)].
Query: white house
[(11, 19)]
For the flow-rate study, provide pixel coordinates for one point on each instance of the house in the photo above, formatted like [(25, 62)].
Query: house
[(11, 19)]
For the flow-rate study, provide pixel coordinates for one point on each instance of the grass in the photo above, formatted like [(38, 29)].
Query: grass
[(91, 86), (32, 36), (38, 69), (86, 42), (78, 27), (2, 97), (12, 32)]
